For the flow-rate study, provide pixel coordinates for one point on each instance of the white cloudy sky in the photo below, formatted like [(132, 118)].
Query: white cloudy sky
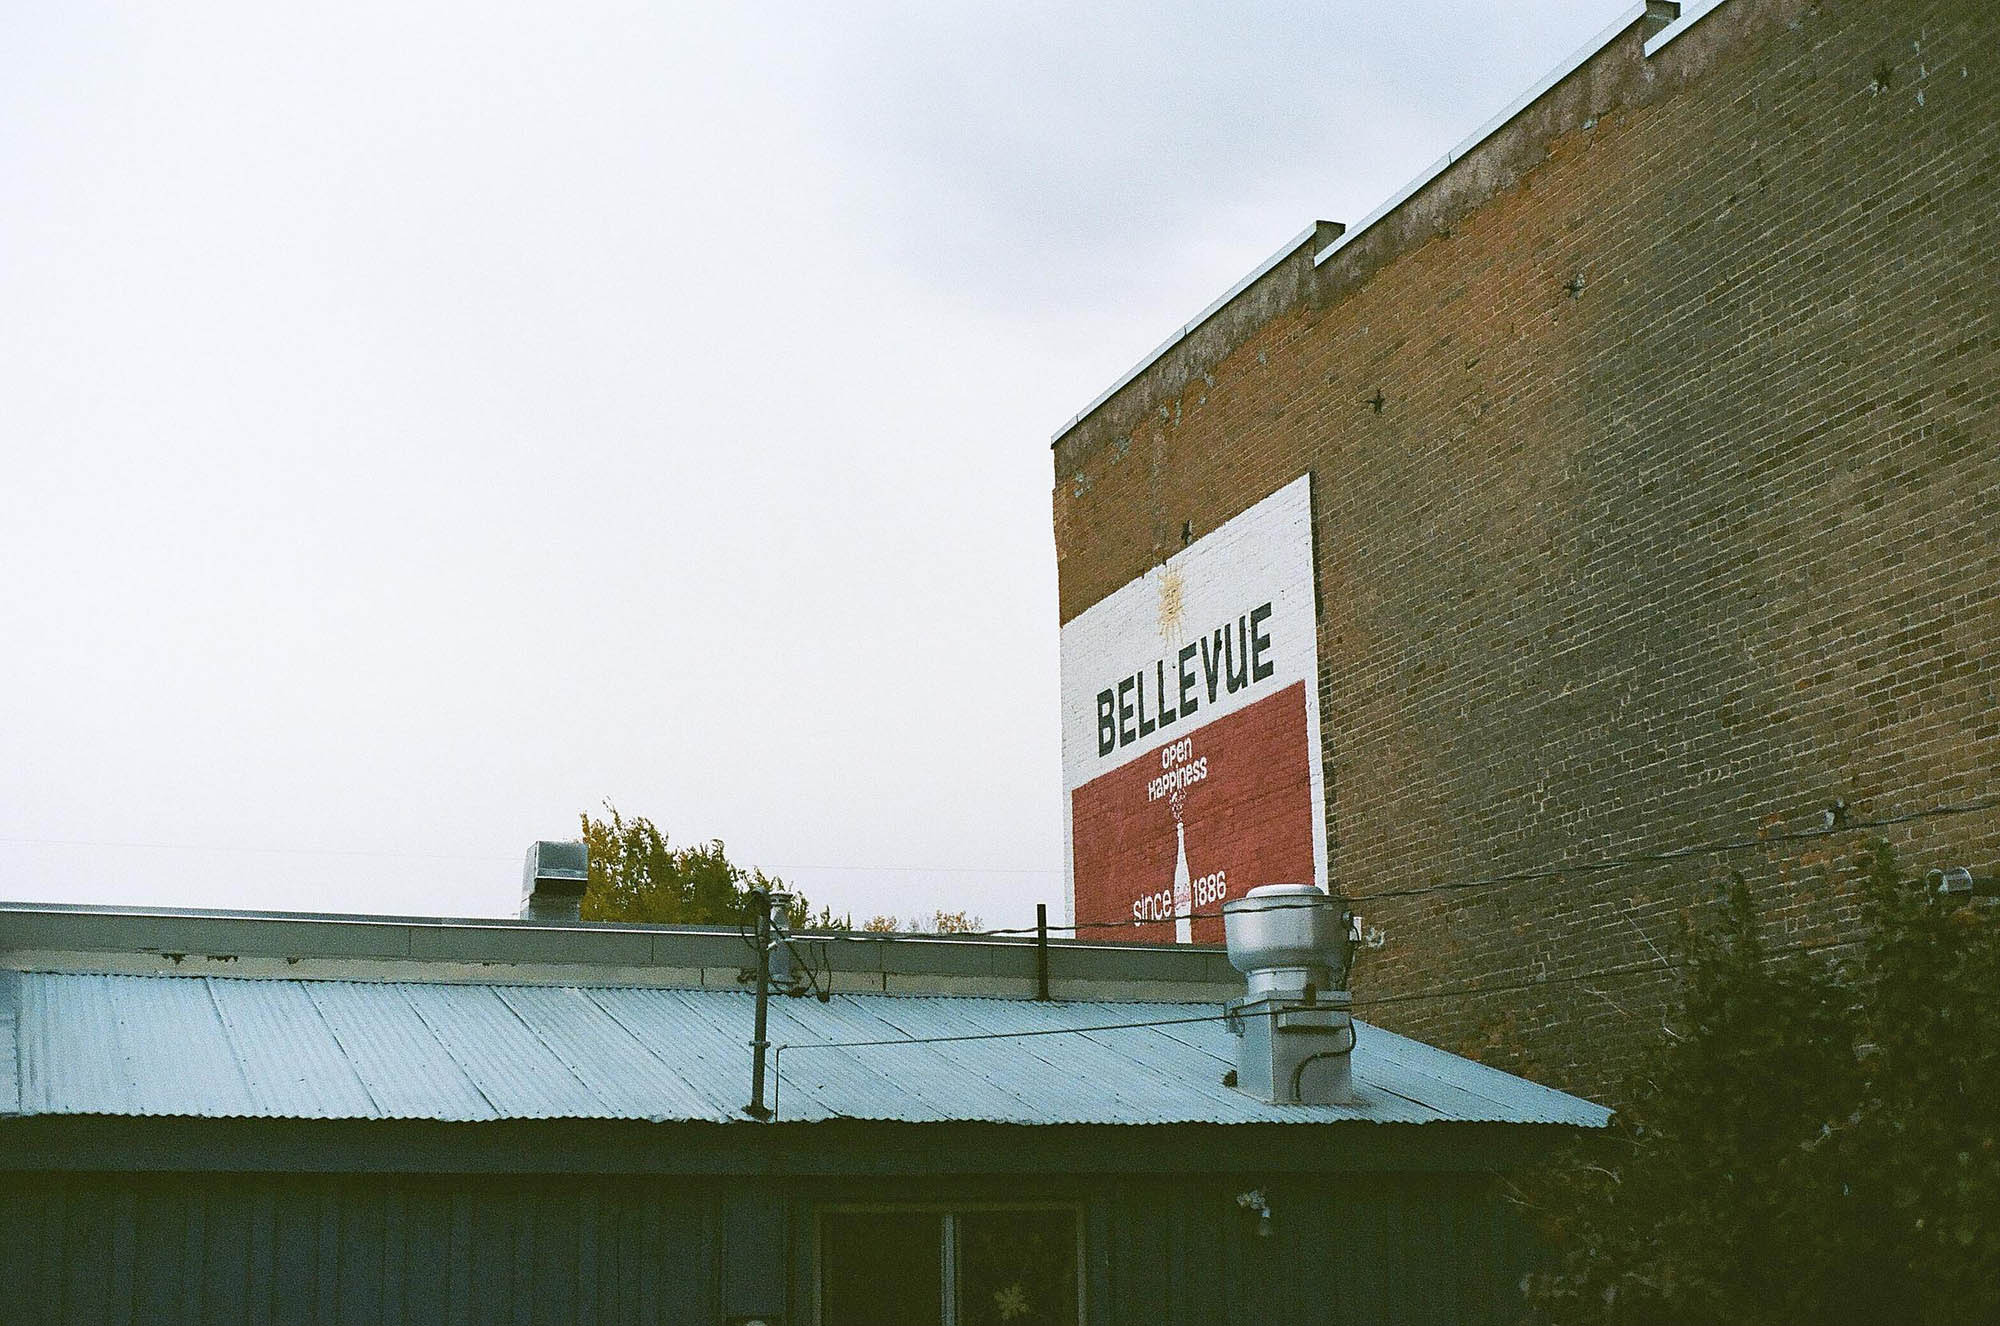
[(420, 422)]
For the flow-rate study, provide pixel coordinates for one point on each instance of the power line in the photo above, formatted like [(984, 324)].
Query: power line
[(24, 841), (247, 850), (924, 870), (1683, 853), (1624, 969), (777, 1067), (1273, 906), (1356, 1001), (1543, 872), (1725, 847), (1006, 932), (1627, 969), (1004, 1035)]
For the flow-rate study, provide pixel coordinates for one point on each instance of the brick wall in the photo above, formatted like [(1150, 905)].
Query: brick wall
[(1657, 500)]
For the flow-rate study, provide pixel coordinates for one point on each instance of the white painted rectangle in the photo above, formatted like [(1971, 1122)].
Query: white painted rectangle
[(1191, 729)]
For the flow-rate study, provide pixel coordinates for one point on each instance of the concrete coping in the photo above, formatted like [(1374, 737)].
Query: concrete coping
[(1633, 13), (1658, 23), (364, 947)]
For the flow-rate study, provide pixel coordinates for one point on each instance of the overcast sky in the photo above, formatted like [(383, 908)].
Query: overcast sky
[(422, 422)]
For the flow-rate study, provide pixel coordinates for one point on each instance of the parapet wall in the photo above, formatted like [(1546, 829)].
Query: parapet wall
[(299, 946), (1656, 475)]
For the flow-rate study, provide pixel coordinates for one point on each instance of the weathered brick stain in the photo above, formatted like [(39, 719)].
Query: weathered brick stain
[(1657, 500)]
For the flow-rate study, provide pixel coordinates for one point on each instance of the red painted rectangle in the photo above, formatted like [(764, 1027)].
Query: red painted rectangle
[(1240, 791)]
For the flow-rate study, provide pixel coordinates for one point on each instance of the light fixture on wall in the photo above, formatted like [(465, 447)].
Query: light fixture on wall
[(1961, 882), (1254, 1201)]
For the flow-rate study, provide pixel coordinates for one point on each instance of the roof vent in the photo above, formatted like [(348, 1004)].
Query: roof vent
[(553, 880), (1294, 1028)]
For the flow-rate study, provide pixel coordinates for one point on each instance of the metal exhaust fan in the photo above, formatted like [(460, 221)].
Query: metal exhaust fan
[(1294, 1026)]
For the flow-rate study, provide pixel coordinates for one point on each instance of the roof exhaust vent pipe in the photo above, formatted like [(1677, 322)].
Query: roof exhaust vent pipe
[(1294, 1028), (553, 880)]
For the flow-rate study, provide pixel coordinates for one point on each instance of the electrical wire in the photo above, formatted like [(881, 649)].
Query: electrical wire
[(1724, 847), (1712, 848), (1358, 1001), (917, 870), (1006, 932), (819, 992), (18, 840), (1655, 965), (777, 1059), (1683, 853), (246, 850), (1745, 844), (1624, 969), (823, 992), (1004, 1035)]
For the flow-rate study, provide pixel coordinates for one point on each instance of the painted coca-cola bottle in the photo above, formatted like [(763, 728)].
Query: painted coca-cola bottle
[(1183, 880)]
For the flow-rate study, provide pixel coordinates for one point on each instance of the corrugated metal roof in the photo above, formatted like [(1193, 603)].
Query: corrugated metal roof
[(216, 1047), (10, 1077)]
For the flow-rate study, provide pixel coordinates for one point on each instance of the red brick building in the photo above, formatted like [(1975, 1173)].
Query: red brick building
[(1655, 501)]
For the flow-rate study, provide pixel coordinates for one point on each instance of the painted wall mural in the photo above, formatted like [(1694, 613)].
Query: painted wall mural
[(1191, 731)]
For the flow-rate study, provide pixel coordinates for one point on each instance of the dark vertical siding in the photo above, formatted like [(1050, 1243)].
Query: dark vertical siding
[(258, 1248), (1200, 1226), (1429, 1249), (1140, 1255), (754, 1252), (1352, 1250)]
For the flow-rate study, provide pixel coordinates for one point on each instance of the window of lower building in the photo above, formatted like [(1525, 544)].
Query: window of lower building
[(997, 1266)]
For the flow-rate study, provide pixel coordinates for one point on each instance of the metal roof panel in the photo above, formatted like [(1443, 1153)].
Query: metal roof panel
[(402, 1066), (10, 1061), (220, 1046), (634, 1080), (508, 1059), (292, 1066), (93, 1045)]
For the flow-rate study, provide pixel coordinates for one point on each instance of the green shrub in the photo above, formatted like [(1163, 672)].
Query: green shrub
[(1816, 1140)]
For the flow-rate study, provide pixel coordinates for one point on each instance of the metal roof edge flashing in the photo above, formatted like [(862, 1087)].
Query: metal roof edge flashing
[(1305, 237), (1634, 13), (10, 1058), (1644, 14), (190, 941), (1694, 12)]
